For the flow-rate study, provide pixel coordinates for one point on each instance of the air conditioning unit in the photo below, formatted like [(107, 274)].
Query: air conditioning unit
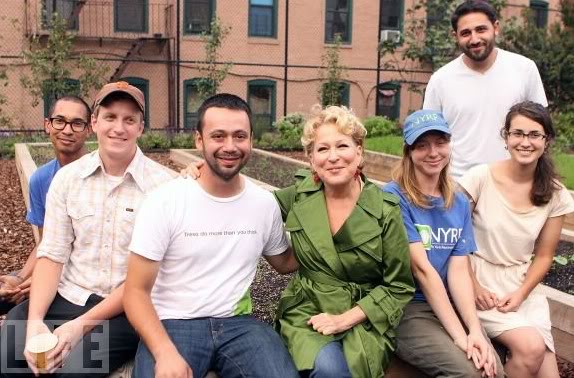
[(393, 36)]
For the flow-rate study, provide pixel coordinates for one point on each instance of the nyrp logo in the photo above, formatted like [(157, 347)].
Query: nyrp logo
[(426, 118), (425, 231), (441, 237)]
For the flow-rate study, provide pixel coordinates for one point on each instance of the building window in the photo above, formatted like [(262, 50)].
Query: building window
[(130, 16), (539, 11), (197, 15), (335, 94), (261, 99), (263, 18), (391, 14), (338, 20), (389, 104), (142, 85), (70, 87), (66, 9), (192, 102)]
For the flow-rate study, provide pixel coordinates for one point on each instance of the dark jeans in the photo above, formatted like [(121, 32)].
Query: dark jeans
[(106, 348), (238, 346)]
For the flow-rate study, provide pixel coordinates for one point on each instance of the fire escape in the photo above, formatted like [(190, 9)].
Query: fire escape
[(120, 31)]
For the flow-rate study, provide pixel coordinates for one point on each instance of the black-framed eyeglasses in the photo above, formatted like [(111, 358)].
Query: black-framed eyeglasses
[(519, 134), (77, 125)]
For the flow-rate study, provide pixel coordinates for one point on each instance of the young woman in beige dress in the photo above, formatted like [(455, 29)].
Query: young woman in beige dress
[(519, 207)]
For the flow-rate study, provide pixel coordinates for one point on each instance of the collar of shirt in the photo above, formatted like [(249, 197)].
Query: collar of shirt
[(135, 169)]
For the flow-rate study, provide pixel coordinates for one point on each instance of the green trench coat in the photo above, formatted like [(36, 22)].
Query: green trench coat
[(365, 263)]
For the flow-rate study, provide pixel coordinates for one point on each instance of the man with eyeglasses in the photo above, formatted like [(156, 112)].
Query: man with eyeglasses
[(78, 281), (68, 127)]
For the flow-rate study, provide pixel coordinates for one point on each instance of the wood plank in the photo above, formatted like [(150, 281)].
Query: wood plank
[(26, 167)]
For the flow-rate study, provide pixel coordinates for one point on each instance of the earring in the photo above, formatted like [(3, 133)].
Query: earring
[(506, 147), (357, 174), (316, 178)]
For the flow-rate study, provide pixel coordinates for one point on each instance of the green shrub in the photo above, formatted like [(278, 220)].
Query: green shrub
[(564, 126), (154, 141), (183, 140), (7, 142), (287, 134), (381, 126)]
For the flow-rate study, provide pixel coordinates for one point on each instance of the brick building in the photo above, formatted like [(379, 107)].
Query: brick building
[(275, 47)]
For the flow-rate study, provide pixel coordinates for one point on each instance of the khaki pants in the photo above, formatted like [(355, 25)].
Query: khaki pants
[(424, 343)]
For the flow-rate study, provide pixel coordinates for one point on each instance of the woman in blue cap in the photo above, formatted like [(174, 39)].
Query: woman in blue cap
[(440, 332)]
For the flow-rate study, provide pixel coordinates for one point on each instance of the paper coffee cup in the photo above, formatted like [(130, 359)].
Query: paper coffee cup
[(39, 346)]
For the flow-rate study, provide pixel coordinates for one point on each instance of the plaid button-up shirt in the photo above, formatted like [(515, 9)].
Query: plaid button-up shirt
[(89, 221)]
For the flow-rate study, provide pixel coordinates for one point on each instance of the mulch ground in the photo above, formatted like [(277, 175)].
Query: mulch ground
[(16, 242), (16, 238)]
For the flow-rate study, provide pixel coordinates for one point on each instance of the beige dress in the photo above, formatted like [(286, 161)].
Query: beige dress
[(505, 239)]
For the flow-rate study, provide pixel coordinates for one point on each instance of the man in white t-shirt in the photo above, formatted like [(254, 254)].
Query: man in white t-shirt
[(195, 249), (475, 90)]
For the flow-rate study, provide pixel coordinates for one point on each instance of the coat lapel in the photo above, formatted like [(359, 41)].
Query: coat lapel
[(363, 225), (312, 215)]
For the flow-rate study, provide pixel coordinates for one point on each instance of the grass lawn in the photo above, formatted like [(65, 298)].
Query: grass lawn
[(565, 165), (393, 145)]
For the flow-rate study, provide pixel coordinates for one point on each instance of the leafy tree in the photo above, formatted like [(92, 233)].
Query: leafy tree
[(5, 119), (214, 74), (52, 65), (550, 48), (427, 38), (332, 74)]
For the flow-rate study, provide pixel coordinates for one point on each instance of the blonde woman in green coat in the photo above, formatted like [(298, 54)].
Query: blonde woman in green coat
[(338, 314)]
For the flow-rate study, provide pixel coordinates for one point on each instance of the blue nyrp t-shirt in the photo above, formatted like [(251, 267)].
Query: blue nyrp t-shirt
[(39, 184), (443, 232)]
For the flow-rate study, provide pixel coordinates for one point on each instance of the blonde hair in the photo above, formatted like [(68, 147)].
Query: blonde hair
[(404, 175), (343, 118)]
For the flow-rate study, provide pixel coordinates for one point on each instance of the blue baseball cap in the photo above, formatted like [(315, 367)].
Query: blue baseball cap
[(422, 121)]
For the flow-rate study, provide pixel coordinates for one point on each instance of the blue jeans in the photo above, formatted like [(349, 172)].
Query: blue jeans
[(330, 362), (239, 346)]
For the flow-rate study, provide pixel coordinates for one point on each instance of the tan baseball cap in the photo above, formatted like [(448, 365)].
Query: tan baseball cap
[(121, 86)]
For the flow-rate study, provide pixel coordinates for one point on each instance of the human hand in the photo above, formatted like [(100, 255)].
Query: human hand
[(484, 299), (9, 286), (484, 354), (69, 334), (33, 328), (510, 302), (172, 365), (328, 324), (192, 170), (24, 292)]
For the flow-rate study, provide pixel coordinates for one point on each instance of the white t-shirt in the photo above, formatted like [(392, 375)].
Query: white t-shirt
[(209, 247), (475, 104)]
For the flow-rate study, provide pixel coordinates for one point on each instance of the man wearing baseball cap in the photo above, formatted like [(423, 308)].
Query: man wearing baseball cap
[(78, 281)]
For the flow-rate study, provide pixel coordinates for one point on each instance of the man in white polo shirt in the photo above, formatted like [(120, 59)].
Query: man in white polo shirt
[(195, 249), (77, 284)]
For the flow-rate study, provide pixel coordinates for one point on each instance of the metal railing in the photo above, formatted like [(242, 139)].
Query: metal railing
[(103, 19)]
